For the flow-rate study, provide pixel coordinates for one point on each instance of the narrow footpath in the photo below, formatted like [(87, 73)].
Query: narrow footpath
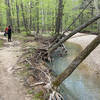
[(10, 87)]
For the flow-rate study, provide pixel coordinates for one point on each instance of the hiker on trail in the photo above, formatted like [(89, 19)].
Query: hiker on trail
[(9, 33), (6, 31)]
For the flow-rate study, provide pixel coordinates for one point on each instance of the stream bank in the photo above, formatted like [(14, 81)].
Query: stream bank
[(83, 84)]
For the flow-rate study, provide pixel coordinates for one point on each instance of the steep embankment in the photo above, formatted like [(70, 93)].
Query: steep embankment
[(93, 60)]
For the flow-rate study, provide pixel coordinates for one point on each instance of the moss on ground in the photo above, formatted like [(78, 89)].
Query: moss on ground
[(1, 43), (38, 96)]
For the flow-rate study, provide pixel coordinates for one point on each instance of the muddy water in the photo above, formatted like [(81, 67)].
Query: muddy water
[(83, 84)]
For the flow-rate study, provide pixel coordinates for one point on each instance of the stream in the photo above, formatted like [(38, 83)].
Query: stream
[(81, 84)]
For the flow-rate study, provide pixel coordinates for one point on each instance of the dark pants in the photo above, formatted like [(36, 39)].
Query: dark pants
[(9, 37)]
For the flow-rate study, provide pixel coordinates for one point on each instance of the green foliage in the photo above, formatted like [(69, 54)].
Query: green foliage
[(1, 43), (30, 91), (38, 96), (47, 14), (23, 33)]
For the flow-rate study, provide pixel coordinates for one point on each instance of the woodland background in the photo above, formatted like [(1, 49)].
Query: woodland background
[(40, 15)]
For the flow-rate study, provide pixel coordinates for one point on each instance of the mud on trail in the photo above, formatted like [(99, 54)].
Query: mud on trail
[(10, 87)]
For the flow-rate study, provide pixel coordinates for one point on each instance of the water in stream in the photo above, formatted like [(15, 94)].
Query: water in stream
[(82, 84)]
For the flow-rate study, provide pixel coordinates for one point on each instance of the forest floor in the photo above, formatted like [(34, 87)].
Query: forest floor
[(10, 87)]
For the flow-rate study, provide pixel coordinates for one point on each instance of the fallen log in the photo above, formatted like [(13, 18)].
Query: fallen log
[(68, 71), (55, 46), (67, 29)]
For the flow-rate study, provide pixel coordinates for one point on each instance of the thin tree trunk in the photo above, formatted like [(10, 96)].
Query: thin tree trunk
[(8, 12), (42, 14), (17, 12), (34, 26), (30, 15), (92, 13), (73, 33), (12, 15), (59, 17), (96, 4), (37, 16), (60, 37), (68, 71), (23, 15), (53, 21)]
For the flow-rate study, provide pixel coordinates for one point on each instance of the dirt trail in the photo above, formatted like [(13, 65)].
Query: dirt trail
[(10, 87)]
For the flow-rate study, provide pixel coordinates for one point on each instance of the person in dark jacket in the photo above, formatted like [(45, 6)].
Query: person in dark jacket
[(9, 33)]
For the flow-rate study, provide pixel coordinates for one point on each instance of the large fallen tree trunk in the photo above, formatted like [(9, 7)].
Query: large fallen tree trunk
[(68, 71), (59, 36), (50, 50)]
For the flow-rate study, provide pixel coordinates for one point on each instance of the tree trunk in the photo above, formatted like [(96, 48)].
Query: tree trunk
[(37, 15), (17, 12), (73, 33), (59, 17), (92, 14), (12, 16), (67, 29), (68, 71), (23, 15), (96, 4), (30, 15), (8, 12)]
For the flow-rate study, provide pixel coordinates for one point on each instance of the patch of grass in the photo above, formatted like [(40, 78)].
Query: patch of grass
[(30, 91), (1, 43), (24, 33), (27, 65), (19, 36), (38, 96), (23, 73)]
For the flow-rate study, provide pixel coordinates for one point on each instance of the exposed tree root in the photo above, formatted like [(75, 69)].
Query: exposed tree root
[(54, 95), (34, 58), (41, 53)]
